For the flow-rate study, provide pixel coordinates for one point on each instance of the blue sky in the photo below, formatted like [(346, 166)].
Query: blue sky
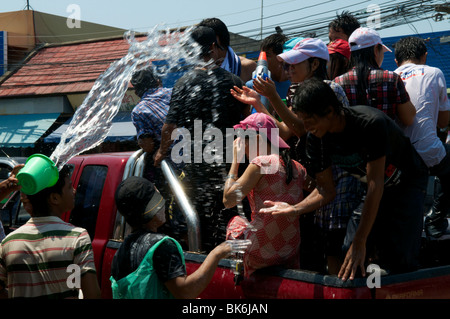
[(142, 15)]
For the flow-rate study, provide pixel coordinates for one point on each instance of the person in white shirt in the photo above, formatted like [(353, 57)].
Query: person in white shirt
[(427, 89)]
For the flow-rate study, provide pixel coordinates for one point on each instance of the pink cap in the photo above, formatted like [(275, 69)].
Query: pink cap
[(257, 121), (339, 46), (305, 49), (363, 38)]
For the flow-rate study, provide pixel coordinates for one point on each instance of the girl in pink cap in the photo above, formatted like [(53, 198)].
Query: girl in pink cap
[(275, 240)]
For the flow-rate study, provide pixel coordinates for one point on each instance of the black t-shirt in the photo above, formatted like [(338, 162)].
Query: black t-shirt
[(205, 95), (166, 259), (368, 135)]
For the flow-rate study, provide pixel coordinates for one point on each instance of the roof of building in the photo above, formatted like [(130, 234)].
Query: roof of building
[(438, 47), (63, 69)]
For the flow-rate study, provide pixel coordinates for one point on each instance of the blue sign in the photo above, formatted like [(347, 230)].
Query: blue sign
[(3, 52)]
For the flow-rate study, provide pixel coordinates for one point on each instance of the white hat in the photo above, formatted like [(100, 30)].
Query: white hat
[(305, 49), (363, 38)]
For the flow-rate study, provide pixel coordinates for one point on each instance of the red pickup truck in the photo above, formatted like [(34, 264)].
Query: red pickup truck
[(96, 178)]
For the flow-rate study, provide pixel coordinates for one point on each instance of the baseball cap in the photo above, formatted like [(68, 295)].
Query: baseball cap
[(339, 46), (138, 200), (305, 49), (289, 45), (257, 121), (365, 37)]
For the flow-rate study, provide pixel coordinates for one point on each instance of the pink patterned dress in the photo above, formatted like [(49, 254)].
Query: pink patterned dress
[(276, 239)]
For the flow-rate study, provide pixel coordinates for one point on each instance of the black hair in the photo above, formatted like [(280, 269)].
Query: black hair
[(274, 42), (339, 65), (286, 157), (315, 97), (364, 61), (345, 22), (321, 71), (205, 37), (39, 201), (144, 80), (409, 48), (219, 28)]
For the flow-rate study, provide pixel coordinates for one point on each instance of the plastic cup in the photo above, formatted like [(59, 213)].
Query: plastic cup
[(38, 173)]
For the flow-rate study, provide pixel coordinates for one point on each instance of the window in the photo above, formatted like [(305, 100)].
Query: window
[(87, 198)]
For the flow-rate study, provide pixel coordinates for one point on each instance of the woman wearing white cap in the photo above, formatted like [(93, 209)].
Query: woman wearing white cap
[(308, 59), (367, 84)]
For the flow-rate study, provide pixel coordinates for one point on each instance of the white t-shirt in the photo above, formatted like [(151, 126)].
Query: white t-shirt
[(427, 90)]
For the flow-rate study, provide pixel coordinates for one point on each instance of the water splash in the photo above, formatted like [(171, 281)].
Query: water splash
[(163, 50)]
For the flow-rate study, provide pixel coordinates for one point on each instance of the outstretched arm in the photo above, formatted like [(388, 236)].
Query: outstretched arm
[(290, 119), (355, 256), (249, 96), (189, 287), (321, 195)]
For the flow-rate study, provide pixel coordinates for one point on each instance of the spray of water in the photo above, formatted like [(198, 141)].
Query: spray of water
[(163, 50)]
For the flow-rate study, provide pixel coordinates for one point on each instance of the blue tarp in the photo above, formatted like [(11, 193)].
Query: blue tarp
[(122, 129), (23, 130)]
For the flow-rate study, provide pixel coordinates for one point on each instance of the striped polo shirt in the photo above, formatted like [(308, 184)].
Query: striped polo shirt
[(35, 259)]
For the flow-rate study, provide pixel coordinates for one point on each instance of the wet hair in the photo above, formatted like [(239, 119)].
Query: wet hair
[(409, 48), (274, 42), (205, 37), (315, 97), (363, 61), (39, 201), (144, 80), (219, 28), (286, 157), (345, 22)]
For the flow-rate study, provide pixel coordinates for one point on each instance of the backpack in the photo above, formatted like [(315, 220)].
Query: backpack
[(143, 283)]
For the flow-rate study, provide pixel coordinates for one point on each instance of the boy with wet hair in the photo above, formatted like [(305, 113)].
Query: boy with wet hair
[(427, 89), (202, 95), (34, 259), (369, 145), (342, 26), (229, 60)]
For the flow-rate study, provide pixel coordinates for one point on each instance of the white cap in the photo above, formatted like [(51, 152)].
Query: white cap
[(363, 38), (305, 49)]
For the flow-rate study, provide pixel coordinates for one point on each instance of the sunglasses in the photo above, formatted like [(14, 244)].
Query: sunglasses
[(287, 66)]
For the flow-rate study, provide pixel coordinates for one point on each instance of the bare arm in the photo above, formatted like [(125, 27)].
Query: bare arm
[(249, 96), (10, 185), (406, 113), (245, 183), (166, 141), (290, 119), (247, 68), (321, 195), (443, 119), (355, 256), (89, 286), (189, 287)]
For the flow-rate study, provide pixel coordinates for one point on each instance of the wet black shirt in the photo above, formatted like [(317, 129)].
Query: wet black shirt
[(166, 259), (368, 135)]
